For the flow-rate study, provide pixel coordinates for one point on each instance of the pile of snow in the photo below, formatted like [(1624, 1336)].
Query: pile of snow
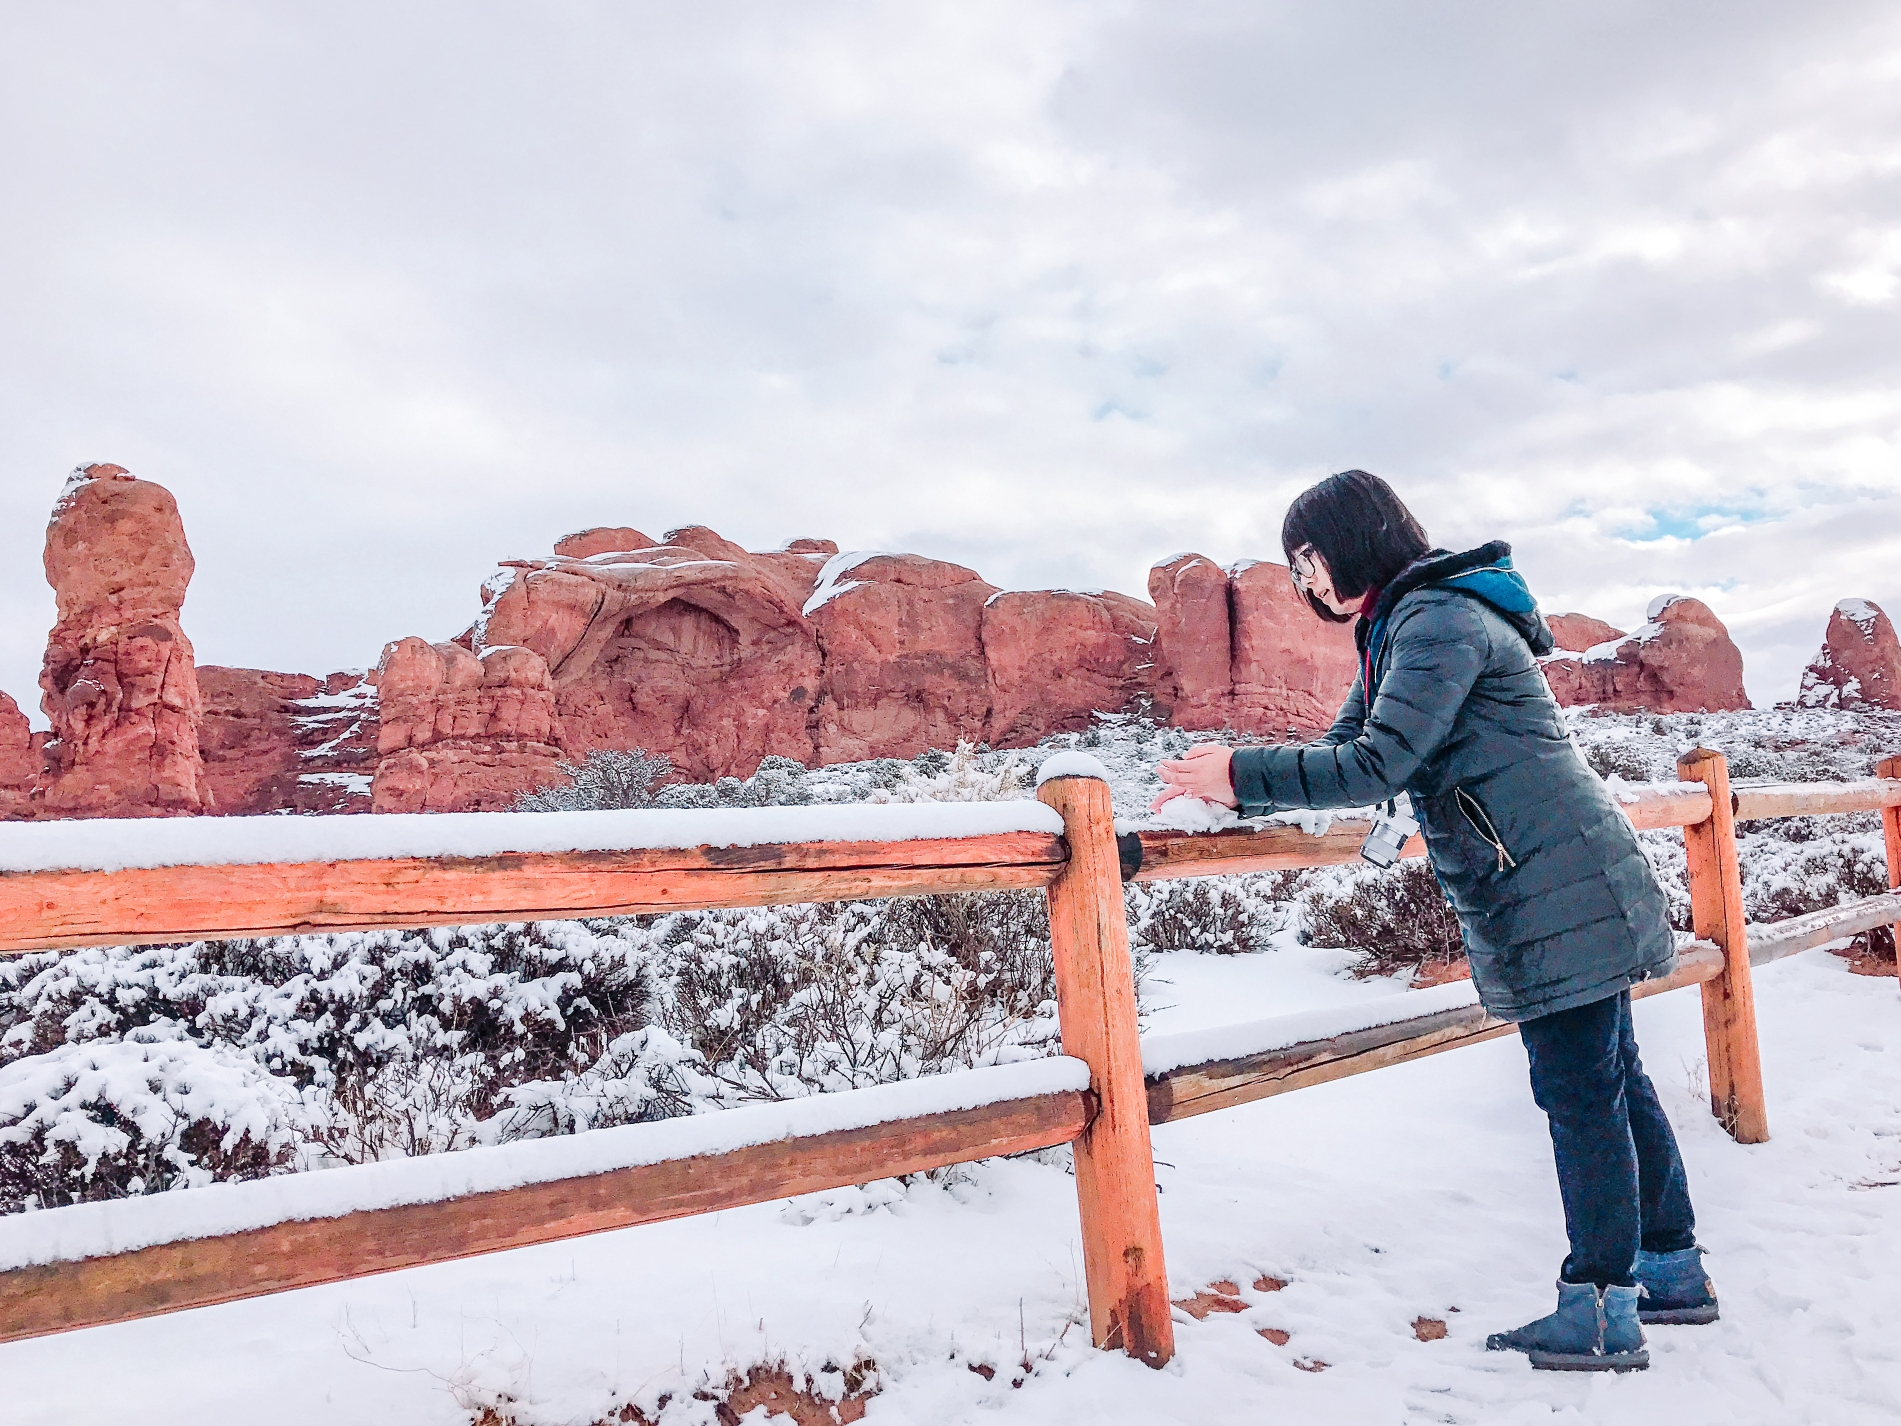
[(1861, 613), (109, 1119), (113, 844), (832, 581)]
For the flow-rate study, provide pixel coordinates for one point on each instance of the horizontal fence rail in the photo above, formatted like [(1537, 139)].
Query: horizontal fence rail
[(1201, 1085), (43, 910), (97, 1263)]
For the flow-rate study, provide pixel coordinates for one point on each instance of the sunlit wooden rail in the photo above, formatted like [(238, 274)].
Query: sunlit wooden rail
[(97, 1263), (159, 905)]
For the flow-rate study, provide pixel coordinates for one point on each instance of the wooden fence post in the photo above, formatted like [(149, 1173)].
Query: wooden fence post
[(1716, 911), (1095, 997), (1891, 830)]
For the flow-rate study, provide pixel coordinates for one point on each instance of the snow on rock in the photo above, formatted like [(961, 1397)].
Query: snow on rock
[(96, 1229), (1859, 664), (276, 742), (112, 844), (695, 649), (832, 581), (1683, 660), (602, 540)]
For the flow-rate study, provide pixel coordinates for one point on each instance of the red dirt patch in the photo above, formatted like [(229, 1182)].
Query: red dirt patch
[(774, 1389), (1311, 1366), (1264, 1283), (1275, 1335), (1430, 973), (1429, 1329), (771, 1387), (1219, 1297), (1862, 961)]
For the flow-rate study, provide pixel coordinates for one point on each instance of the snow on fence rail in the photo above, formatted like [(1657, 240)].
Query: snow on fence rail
[(66, 884)]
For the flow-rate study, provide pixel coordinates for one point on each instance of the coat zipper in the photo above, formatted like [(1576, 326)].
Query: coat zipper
[(1482, 824)]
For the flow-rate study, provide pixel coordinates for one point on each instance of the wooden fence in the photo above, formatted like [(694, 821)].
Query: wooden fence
[(121, 1262)]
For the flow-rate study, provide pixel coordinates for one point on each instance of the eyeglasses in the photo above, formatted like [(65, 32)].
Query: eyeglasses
[(1304, 568)]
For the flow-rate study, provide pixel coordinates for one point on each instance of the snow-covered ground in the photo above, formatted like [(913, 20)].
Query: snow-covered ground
[(1420, 1191), (1423, 1191)]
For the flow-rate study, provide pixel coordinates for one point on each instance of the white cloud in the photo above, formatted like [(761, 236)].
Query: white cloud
[(1050, 289)]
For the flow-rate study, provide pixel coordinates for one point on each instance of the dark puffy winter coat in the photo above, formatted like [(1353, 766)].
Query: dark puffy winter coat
[(1556, 901)]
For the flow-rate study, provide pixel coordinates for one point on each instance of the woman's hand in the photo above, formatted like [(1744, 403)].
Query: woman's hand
[(1200, 772)]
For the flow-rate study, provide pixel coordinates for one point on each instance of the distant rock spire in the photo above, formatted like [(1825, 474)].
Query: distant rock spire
[(1859, 665)]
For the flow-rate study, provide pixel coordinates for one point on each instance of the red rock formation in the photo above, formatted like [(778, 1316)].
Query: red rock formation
[(1574, 633), (1859, 665), (1292, 670), (1193, 641), (462, 732), (1240, 649), (902, 641), (1056, 656), (1681, 661), (601, 540), (119, 684), (20, 761), (287, 742), (695, 648)]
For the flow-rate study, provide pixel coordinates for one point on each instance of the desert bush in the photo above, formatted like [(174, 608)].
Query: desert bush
[(115, 1119), (1397, 918), (1226, 916), (610, 779), (409, 1036), (606, 778), (807, 998), (1628, 760), (960, 776), (641, 1077)]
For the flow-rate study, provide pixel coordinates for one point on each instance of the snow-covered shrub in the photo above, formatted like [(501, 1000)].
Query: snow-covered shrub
[(610, 779), (1226, 916), (111, 1119), (1396, 917), (962, 776), (1802, 864), (410, 1036), (778, 782), (643, 1076), (1630, 761), (605, 779), (793, 1000)]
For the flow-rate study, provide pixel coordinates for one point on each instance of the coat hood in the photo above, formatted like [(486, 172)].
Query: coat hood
[(1486, 574)]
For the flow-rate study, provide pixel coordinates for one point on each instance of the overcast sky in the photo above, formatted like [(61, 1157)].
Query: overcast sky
[(386, 292)]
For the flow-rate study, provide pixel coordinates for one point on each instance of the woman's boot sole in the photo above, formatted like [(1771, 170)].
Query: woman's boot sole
[(1590, 1361), (1679, 1316)]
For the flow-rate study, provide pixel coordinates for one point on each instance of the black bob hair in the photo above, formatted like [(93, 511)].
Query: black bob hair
[(1360, 528)]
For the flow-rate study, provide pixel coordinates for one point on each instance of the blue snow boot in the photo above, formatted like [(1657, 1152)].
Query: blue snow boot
[(1595, 1329), (1676, 1289)]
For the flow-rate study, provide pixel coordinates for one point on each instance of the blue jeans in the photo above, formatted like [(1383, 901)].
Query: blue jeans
[(1619, 1171)]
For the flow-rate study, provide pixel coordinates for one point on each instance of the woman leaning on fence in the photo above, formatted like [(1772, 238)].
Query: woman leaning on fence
[(1560, 912)]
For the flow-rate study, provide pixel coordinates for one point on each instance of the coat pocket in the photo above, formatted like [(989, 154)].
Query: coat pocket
[(1481, 822)]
